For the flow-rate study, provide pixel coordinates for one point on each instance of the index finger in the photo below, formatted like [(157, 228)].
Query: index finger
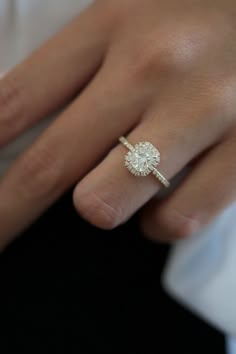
[(52, 75)]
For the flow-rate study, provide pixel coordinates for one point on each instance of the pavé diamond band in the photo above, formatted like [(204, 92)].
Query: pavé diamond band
[(142, 159)]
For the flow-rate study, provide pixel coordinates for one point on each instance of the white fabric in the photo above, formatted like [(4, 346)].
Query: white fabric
[(201, 271), (231, 345)]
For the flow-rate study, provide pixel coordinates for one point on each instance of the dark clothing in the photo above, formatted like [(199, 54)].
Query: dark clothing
[(67, 287)]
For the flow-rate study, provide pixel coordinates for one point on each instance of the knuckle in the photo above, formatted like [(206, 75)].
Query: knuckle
[(9, 90), (223, 96), (11, 102), (217, 95), (159, 60), (112, 7), (98, 211), (147, 64), (177, 225), (108, 12), (38, 174)]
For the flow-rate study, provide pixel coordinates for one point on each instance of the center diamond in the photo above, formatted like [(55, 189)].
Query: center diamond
[(143, 159)]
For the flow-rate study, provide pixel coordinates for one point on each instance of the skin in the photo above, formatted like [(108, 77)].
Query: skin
[(160, 71)]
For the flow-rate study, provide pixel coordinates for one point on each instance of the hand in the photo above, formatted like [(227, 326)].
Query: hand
[(160, 71)]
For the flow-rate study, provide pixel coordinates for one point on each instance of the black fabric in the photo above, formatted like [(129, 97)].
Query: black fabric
[(67, 287)]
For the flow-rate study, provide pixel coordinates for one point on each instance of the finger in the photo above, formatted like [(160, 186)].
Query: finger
[(206, 192), (52, 75), (110, 194), (67, 150)]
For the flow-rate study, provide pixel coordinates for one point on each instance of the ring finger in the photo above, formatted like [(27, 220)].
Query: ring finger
[(110, 194)]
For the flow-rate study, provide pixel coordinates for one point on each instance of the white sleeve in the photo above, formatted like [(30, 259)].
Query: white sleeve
[(201, 273), (231, 345)]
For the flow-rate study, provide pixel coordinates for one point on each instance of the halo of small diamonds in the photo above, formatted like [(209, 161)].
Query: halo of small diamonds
[(143, 159)]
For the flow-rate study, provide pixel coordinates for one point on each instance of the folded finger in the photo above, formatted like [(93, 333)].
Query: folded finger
[(110, 194), (205, 193)]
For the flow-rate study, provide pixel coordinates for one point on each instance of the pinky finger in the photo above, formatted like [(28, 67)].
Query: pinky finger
[(204, 194)]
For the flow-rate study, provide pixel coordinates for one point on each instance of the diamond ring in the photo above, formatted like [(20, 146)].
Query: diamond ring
[(142, 159)]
